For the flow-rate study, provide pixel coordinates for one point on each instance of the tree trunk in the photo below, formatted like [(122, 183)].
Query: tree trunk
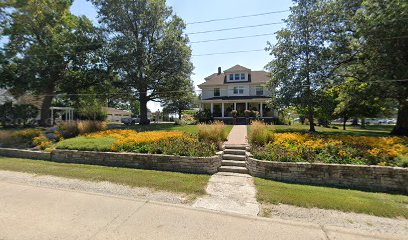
[(401, 128), (179, 114), (45, 113), (363, 123), (143, 109), (344, 123)]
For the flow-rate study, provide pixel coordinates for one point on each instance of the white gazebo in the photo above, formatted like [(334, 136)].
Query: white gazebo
[(68, 111)]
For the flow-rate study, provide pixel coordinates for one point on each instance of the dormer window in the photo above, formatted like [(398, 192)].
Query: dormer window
[(231, 77), (237, 76)]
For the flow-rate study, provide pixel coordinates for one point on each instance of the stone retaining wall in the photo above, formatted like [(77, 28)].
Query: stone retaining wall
[(206, 165), (20, 153), (372, 178)]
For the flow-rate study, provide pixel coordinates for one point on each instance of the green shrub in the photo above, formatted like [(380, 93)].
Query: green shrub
[(203, 116), (87, 144), (259, 134)]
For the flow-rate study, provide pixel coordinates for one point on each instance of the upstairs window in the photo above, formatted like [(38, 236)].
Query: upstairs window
[(231, 77), (242, 76), (259, 91), (239, 90), (237, 76), (216, 92)]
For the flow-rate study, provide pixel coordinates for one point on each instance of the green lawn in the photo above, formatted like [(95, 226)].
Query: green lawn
[(371, 130), (191, 184), (379, 204), (87, 144), (166, 127)]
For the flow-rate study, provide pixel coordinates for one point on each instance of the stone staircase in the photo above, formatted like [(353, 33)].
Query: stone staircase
[(234, 159)]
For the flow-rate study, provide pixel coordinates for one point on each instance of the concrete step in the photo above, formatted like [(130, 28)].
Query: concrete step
[(242, 147), (233, 163), (233, 157), (233, 169), (234, 151)]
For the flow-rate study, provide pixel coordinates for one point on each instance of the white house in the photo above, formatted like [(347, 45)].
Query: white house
[(237, 88)]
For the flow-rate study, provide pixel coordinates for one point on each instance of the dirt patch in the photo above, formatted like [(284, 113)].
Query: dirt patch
[(325, 217), (95, 187)]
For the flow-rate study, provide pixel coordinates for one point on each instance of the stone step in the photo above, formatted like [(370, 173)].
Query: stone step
[(233, 157), (234, 151), (233, 163), (242, 147), (233, 169)]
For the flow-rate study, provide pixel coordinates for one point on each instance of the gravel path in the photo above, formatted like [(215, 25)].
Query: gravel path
[(325, 217), (95, 187)]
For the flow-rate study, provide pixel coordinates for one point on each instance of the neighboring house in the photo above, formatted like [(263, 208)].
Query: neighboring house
[(27, 98), (237, 88), (115, 115)]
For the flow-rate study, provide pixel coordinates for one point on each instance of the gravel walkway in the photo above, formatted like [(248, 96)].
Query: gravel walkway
[(325, 217), (95, 187)]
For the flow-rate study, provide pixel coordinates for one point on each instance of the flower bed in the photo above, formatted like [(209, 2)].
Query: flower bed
[(156, 142), (304, 147)]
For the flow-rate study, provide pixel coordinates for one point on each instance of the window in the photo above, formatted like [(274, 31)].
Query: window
[(237, 76), (231, 76), (242, 76), (216, 92), (259, 90), (239, 90)]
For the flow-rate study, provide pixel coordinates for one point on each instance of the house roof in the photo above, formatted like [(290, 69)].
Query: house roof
[(255, 77), (238, 68)]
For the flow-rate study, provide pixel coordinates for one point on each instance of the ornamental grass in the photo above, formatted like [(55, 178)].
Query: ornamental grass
[(214, 132)]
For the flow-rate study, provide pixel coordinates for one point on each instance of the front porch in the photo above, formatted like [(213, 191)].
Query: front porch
[(222, 109)]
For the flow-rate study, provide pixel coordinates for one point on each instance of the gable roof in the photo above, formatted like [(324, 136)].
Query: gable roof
[(238, 68), (256, 77)]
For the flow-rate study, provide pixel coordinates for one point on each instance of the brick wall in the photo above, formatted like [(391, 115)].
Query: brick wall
[(207, 165), (372, 178)]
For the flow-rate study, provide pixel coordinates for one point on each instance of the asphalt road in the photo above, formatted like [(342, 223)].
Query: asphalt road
[(32, 212)]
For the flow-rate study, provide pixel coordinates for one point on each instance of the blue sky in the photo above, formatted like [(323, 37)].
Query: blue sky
[(201, 10)]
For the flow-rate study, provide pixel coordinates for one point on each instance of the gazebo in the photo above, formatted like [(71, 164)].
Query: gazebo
[(69, 113)]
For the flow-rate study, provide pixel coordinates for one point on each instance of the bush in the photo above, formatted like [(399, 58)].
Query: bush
[(214, 132), (259, 134), (17, 115), (203, 116), (69, 129), (91, 126), (42, 142), (20, 138), (182, 146)]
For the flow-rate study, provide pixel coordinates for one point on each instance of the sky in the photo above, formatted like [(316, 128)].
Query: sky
[(201, 10)]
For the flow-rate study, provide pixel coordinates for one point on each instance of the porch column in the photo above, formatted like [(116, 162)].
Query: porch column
[(235, 106), (212, 108), (261, 110), (246, 106), (222, 109)]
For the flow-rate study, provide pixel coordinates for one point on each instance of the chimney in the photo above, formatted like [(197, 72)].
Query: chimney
[(219, 70)]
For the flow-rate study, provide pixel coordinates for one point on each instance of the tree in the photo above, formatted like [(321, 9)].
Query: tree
[(184, 101), (150, 50), (300, 58), (382, 35), (47, 45)]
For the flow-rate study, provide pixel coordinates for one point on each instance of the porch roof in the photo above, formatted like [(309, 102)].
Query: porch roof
[(237, 98)]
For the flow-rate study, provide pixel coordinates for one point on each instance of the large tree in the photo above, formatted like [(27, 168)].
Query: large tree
[(180, 102), (382, 34), (48, 49), (300, 55), (150, 54)]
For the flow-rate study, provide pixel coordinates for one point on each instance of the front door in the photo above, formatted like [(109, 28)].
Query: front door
[(241, 109)]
